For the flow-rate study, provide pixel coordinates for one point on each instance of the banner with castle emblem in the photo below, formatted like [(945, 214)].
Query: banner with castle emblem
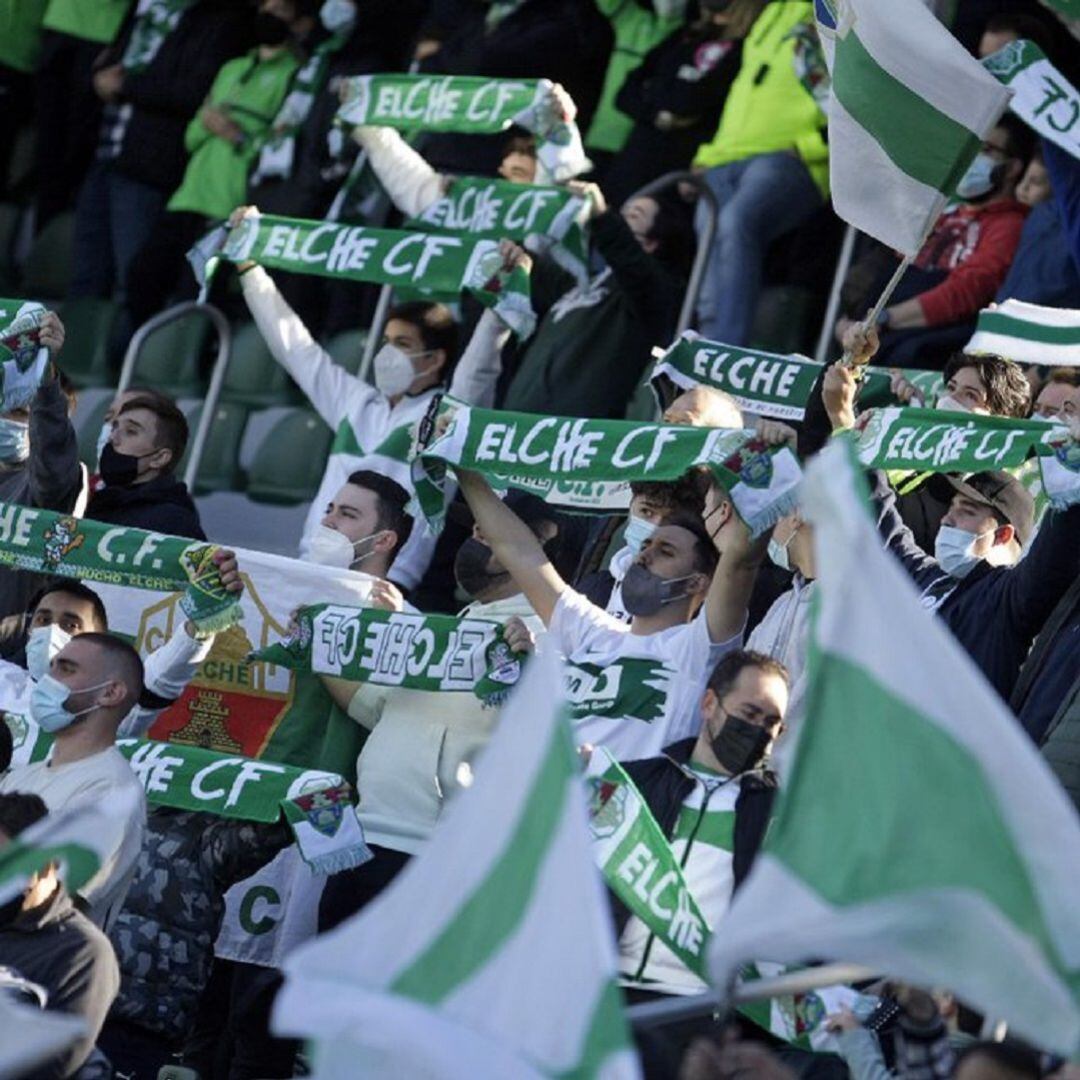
[(399, 648), (960, 442), (587, 465)]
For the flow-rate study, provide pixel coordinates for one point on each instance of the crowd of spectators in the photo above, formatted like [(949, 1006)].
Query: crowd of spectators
[(143, 124)]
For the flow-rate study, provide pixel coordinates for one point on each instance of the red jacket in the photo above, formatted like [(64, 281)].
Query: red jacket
[(975, 244)]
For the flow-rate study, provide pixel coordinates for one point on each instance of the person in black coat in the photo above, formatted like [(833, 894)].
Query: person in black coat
[(137, 485), (675, 98), (140, 157)]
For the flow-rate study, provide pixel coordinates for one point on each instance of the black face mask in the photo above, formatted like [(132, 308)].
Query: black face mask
[(117, 469), (470, 568), (645, 593), (739, 745), (271, 29)]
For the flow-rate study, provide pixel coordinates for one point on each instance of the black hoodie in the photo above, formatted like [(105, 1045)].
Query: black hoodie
[(160, 505)]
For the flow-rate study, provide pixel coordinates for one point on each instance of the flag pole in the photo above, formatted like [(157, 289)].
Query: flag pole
[(655, 1013), (872, 318)]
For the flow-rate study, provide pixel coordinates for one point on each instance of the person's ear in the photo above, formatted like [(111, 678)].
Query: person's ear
[(438, 362), (709, 704), (1004, 534), (112, 695), (161, 459), (385, 541), (1015, 170)]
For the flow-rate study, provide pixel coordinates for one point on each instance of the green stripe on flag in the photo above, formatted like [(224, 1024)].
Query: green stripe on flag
[(921, 141), (25, 860), (493, 912), (994, 322), (855, 716), (606, 1035)]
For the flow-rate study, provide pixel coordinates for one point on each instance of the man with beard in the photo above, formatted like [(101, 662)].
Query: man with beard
[(422, 744)]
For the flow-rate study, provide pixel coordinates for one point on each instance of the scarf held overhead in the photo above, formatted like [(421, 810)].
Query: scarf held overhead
[(389, 648), (587, 465)]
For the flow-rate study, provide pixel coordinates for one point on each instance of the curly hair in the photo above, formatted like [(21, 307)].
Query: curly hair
[(1008, 392)]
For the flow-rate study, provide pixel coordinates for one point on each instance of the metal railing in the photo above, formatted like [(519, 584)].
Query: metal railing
[(217, 377)]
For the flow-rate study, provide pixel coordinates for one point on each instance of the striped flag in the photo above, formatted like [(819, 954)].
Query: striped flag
[(1029, 334), (492, 953), (961, 865), (909, 111)]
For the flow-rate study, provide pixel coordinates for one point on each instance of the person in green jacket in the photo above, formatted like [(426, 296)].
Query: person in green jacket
[(767, 164), (224, 139), (639, 26)]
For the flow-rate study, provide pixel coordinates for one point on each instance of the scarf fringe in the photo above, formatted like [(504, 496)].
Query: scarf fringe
[(769, 515), (333, 862)]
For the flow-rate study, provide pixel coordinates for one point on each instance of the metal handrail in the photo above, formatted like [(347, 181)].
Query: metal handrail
[(217, 377), (704, 241)]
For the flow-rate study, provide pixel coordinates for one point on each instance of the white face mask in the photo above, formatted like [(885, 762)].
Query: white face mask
[(947, 403), (394, 370), (42, 645), (954, 550), (778, 553), (329, 547), (637, 531), (335, 15)]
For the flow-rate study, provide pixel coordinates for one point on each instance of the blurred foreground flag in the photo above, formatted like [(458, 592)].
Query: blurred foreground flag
[(492, 952), (909, 111), (919, 832)]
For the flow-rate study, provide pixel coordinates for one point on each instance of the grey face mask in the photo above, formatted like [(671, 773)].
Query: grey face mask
[(645, 593)]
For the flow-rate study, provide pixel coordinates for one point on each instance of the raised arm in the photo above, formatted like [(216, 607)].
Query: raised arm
[(728, 597), (514, 545), (412, 184)]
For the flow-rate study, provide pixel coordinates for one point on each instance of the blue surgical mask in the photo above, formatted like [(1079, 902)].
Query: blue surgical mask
[(48, 703), (981, 177), (42, 645), (14, 440), (637, 531), (954, 551)]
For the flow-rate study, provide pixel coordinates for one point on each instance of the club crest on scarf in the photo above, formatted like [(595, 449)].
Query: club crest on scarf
[(752, 464), (1006, 60), (607, 807), (60, 540), (20, 348), (325, 809), (503, 666)]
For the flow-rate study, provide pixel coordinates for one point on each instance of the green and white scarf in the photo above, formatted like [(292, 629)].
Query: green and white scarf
[(440, 264), (471, 105), (1042, 97), (155, 20), (316, 804), (629, 688), (1028, 334), (402, 649), (51, 543), (278, 152), (768, 384), (587, 465), (493, 209), (23, 360), (932, 441), (640, 868)]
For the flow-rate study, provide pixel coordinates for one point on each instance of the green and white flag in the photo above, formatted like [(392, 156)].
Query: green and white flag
[(436, 653), (768, 384), (155, 20), (438, 263), (491, 953), (471, 105), (32, 1036), (961, 866), (51, 543), (23, 360), (1028, 334), (1042, 97), (490, 209), (587, 465), (79, 840), (908, 112), (1070, 9), (931, 441)]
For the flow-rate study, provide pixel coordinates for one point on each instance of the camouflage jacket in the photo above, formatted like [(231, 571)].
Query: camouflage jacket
[(164, 935)]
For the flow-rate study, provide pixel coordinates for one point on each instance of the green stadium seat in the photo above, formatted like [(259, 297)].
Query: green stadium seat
[(290, 460), (87, 323), (10, 216), (784, 321), (170, 359), (254, 377), (47, 270), (219, 469), (347, 349)]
